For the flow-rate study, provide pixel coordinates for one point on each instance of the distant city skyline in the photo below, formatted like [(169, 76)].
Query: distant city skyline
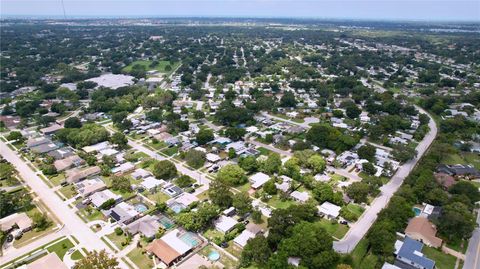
[(419, 10)]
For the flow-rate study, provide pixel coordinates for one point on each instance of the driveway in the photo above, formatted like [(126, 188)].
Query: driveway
[(360, 228)]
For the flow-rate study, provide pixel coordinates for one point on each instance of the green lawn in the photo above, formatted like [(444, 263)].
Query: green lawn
[(359, 253), (118, 240), (56, 180), (356, 210), (244, 188), (276, 202), (61, 247), (92, 215), (68, 191), (76, 255), (140, 259), (170, 151), (264, 151), (334, 229), (457, 246), (442, 260), (158, 197)]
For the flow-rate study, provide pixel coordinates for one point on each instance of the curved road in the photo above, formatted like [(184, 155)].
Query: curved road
[(360, 228)]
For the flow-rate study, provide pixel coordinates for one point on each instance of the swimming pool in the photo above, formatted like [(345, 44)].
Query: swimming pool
[(214, 255), (166, 222), (191, 239), (140, 207), (417, 211), (176, 207)]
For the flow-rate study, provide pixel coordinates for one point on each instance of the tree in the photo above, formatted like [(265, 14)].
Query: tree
[(269, 187), (121, 183), (119, 139), (6, 170), (403, 153), (97, 260), (257, 216), (73, 122), (312, 244), (164, 169), (220, 194), (198, 114), (272, 164), (232, 175), (382, 237), (317, 163), (107, 204), (40, 221), (204, 136), (358, 191), (367, 152), (456, 222), (242, 202), (235, 133), (323, 192), (249, 163), (14, 135), (369, 168), (195, 158), (198, 220), (466, 188), (184, 181), (288, 100), (256, 251), (353, 111)]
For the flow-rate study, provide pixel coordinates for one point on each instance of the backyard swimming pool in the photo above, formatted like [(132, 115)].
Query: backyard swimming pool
[(214, 256), (140, 207), (191, 239), (417, 211)]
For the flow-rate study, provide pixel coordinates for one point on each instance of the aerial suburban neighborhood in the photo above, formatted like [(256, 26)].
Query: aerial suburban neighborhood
[(239, 143)]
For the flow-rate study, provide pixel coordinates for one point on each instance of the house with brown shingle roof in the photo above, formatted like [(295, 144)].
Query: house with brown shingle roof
[(75, 175), (421, 229), (445, 180)]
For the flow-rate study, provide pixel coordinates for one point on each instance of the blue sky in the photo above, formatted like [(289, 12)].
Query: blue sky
[(438, 10)]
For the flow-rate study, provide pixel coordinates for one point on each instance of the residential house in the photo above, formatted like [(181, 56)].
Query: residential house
[(51, 261), (459, 170), (258, 179), (98, 198), (51, 129), (301, 197), (76, 174), (140, 173), (170, 248), (123, 168), (421, 229), (409, 255), (251, 231), (152, 184), (44, 148), (123, 213), (89, 186), (239, 147), (224, 224), (68, 162), (147, 225), (35, 141), (20, 220), (329, 210), (61, 153), (97, 147), (172, 190)]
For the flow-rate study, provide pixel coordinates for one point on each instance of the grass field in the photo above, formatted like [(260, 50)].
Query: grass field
[(61, 247), (442, 260), (140, 259), (117, 240), (334, 229)]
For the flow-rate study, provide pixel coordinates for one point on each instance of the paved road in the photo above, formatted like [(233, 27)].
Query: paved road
[(303, 124), (270, 147), (72, 222), (12, 253), (472, 256), (361, 227)]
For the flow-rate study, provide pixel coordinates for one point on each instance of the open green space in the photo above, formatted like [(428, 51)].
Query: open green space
[(60, 248), (335, 229), (160, 67), (118, 240), (140, 259), (442, 260)]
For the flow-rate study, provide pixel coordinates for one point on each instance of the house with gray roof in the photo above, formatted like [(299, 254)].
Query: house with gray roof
[(409, 255)]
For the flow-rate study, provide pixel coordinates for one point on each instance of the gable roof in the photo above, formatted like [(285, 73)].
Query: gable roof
[(421, 226), (163, 251), (412, 250)]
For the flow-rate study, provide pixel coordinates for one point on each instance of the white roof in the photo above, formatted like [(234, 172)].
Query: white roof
[(300, 196), (252, 129), (176, 243), (212, 157), (96, 147), (151, 182), (186, 199), (259, 179), (224, 223), (108, 151), (329, 209), (428, 209), (389, 266), (123, 167), (100, 197), (243, 238), (140, 172), (113, 81)]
